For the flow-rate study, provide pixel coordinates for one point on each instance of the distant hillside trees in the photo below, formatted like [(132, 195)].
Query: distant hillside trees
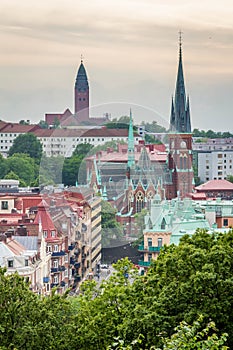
[(28, 144)]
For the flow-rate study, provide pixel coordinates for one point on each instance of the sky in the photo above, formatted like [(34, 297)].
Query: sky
[(130, 52)]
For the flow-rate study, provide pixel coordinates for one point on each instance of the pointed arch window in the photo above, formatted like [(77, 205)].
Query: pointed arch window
[(139, 202), (150, 196)]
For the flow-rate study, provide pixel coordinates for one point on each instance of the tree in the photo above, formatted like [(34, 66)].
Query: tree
[(2, 166), (71, 170), (195, 338), (12, 176), (56, 123), (43, 124), (111, 229), (24, 122), (28, 144), (230, 178), (23, 166)]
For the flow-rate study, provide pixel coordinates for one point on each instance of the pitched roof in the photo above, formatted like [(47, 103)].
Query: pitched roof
[(43, 217), (215, 185)]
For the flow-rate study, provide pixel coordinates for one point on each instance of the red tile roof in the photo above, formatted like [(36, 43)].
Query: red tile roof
[(215, 185), (44, 217), (18, 128)]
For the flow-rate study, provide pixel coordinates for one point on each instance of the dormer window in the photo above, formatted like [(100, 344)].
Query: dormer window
[(53, 233), (45, 233)]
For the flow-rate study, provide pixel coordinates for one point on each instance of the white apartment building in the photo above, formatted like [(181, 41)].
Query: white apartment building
[(215, 165), (64, 141), (9, 131)]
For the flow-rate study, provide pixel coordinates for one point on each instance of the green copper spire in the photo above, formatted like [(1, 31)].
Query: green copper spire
[(131, 158)]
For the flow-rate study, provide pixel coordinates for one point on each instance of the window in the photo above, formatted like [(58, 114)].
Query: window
[(52, 233), (55, 248), (49, 248), (26, 262), (225, 222), (160, 242), (45, 234), (149, 257), (149, 242), (4, 205), (220, 155), (10, 263), (55, 279), (55, 263)]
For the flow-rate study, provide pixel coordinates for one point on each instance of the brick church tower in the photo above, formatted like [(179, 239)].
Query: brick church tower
[(81, 94), (180, 140)]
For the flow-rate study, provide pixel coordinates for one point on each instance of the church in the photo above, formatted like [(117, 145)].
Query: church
[(131, 177)]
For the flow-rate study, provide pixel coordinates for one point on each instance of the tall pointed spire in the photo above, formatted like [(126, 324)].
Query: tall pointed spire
[(180, 115), (131, 158)]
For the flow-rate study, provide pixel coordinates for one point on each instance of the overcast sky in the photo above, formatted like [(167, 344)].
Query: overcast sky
[(130, 50)]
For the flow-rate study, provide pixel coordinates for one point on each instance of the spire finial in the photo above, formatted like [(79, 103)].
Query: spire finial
[(81, 58), (180, 38)]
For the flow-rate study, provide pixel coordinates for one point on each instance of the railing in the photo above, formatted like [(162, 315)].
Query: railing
[(144, 263), (150, 249), (54, 269), (77, 265), (61, 253), (71, 247), (62, 284), (54, 285), (46, 279)]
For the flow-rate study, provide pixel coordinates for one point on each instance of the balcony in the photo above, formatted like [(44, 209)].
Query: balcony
[(77, 265), (61, 253), (72, 261), (54, 285), (71, 247), (62, 284), (143, 248), (144, 263), (54, 269), (46, 279), (61, 268), (77, 278)]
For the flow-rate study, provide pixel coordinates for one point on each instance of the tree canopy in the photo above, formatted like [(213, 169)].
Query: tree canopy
[(184, 302), (28, 144)]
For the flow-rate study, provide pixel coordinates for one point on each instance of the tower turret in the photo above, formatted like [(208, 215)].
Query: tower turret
[(81, 94)]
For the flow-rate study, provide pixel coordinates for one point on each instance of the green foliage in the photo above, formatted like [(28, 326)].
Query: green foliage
[(23, 166), (128, 311), (51, 170), (27, 144), (110, 227), (139, 223), (195, 338), (230, 178), (43, 124), (12, 176), (153, 127), (74, 168), (56, 123), (2, 166), (211, 134)]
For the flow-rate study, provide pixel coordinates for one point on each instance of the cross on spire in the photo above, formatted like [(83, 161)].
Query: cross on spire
[(81, 58)]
